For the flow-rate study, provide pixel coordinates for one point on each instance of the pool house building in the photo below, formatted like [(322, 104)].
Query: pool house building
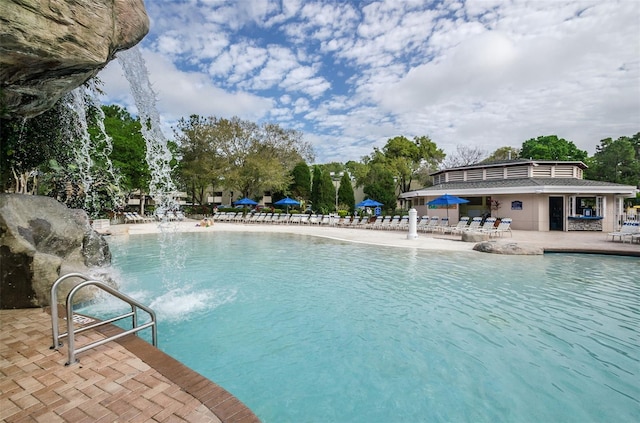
[(539, 195)]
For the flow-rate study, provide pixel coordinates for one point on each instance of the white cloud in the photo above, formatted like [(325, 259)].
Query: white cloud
[(350, 75), (180, 93)]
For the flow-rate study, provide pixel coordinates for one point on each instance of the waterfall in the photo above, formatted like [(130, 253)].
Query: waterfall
[(161, 187), (92, 157)]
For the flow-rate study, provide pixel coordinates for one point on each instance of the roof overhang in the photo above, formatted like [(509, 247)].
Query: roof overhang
[(618, 190)]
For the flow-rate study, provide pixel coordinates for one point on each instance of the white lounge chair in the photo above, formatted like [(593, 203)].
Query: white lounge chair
[(629, 229), (385, 221), (488, 225), (474, 225), (503, 226), (395, 221), (363, 223), (442, 226), (424, 221), (459, 228), (433, 222)]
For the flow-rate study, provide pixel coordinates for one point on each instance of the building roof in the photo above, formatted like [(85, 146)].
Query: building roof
[(523, 186), (515, 162)]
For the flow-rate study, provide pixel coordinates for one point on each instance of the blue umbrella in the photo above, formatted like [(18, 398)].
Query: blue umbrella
[(287, 202), (368, 203), (245, 202), (447, 200)]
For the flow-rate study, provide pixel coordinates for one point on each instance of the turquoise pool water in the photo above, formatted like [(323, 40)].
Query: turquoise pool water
[(310, 330)]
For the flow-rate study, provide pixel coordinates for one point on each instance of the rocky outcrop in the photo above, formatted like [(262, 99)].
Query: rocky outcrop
[(40, 240), (48, 48), (504, 247)]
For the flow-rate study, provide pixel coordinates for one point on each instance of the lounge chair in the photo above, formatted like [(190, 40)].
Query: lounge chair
[(395, 221), (474, 225), (488, 225), (459, 228), (268, 218), (295, 219), (363, 223), (346, 222), (433, 222), (129, 218), (424, 221), (354, 222), (384, 224), (404, 223), (629, 229), (325, 220), (442, 226), (314, 219), (503, 226)]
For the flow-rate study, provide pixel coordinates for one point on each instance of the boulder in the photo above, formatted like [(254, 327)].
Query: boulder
[(474, 236), (50, 47), (40, 240), (505, 247)]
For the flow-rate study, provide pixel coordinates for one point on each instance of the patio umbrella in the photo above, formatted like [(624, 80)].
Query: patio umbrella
[(287, 202), (447, 200), (245, 202), (368, 203)]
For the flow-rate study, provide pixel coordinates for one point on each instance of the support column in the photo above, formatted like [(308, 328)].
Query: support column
[(413, 224)]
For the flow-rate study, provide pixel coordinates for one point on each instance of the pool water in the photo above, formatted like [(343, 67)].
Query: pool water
[(305, 329)]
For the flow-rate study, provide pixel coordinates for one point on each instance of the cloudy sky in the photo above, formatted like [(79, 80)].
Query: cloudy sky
[(352, 74)]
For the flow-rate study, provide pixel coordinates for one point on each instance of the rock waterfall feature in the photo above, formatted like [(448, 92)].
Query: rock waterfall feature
[(48, 48), (41, 239)]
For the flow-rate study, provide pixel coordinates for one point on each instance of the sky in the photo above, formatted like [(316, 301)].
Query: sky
[(352, 74)]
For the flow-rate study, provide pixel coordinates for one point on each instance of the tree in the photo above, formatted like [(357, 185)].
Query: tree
[(380, 186), (503, 153), (358, 170), (239, 155), (345, 193), (301, 181), (550, 147), (404, 158), (28, 145), (128, 151), (615, 161), (465, 155), (200, 163), (315, 186), (322, 190)]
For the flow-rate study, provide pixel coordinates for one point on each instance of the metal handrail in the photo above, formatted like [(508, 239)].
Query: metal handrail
[(70, 334)]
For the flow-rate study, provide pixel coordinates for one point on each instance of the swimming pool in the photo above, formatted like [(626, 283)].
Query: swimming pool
[(314, 330)]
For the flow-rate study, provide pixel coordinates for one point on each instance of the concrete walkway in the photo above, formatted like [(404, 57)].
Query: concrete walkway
[(130, 380), (582, 242)]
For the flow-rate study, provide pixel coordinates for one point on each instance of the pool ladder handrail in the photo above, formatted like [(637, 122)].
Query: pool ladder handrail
[(71, 332)]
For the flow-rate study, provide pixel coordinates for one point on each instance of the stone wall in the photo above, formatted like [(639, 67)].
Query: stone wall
[(578, 224)]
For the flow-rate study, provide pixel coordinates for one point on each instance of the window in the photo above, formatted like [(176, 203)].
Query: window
[(589, 206), (572, 205), (600, 206)]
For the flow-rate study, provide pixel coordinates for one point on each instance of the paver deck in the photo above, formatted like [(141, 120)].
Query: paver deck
[(123, 381)]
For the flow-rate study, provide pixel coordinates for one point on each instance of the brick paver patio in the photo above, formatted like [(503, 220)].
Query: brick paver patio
[(110, 384)]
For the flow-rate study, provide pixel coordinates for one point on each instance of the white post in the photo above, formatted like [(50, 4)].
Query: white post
[(413, 224)]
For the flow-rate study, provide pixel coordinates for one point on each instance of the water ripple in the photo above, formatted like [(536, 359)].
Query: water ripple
[(305, 329)]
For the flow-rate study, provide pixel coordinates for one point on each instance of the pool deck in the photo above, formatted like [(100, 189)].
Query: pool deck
[(130, 380)]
